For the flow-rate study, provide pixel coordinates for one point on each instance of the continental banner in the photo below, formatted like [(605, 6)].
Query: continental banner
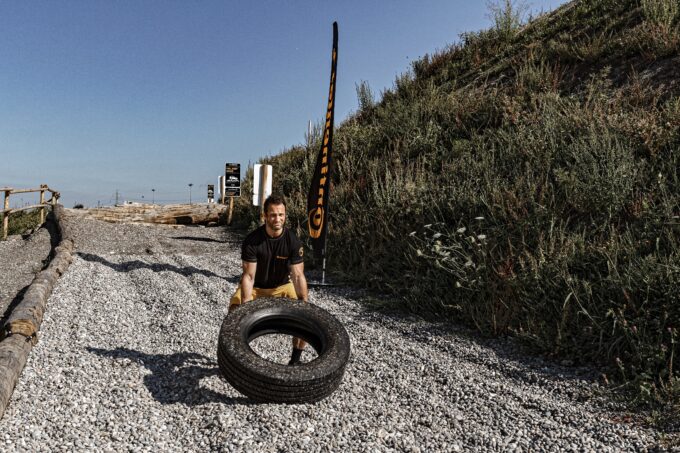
[(317, 201)]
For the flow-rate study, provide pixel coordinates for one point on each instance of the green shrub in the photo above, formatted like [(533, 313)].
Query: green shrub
[(365, 96), (507, 17), (597, 172), (663, 13), (22, 221)]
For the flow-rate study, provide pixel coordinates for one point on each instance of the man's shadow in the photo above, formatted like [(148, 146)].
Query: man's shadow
[(137, 264), (202, 239), (175, 378)]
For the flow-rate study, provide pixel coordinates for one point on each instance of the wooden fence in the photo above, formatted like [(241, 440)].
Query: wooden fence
[(6, 212)]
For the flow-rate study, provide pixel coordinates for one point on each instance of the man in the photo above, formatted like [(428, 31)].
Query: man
[(272, 264)]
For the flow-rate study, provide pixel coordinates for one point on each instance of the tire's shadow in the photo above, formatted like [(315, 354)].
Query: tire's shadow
[(175, 378)]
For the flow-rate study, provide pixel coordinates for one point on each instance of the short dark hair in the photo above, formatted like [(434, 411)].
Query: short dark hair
[(274, 199)]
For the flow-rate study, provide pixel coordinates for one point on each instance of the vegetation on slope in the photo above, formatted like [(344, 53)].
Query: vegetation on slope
[(21, 222), (524, 181)]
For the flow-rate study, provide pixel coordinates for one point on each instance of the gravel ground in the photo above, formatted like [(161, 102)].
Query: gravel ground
[(127, 361), (20, 259)]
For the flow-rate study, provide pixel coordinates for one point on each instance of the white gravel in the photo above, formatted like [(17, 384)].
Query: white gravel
[(127, 362)]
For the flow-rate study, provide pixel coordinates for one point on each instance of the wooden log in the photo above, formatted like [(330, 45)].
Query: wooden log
[(231, 210), (21, 329), (183, 214), (13, 355)]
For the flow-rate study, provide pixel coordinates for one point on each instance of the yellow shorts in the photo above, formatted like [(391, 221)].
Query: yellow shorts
[(287, 290)]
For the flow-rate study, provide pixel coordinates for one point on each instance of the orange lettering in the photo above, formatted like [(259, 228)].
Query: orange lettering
[(316, 216)]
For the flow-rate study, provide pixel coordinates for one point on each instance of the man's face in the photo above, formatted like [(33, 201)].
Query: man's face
[(275, 217)]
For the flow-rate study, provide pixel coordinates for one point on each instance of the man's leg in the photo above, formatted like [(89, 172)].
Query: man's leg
[(288, 290), (237, 300)]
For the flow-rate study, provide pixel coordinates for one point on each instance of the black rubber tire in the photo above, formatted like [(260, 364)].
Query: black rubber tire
[(267, 381)]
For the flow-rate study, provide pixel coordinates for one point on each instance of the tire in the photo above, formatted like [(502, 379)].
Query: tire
[(267, 381)]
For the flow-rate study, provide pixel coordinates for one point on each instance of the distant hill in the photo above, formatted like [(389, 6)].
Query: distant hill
[(525, 180)]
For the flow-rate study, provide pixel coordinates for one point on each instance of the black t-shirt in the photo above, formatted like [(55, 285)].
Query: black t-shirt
[(272, 255)]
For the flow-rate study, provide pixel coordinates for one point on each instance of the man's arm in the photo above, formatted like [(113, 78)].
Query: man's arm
[(297, 275), (248, 281)]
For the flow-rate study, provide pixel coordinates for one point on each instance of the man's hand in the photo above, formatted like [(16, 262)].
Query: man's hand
[(297, 276), (247, 281)]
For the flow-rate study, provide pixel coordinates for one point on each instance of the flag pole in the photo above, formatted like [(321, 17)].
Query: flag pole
[(319, 192)]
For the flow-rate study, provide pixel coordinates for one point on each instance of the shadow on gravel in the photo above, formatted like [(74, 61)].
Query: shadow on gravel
[(12, 305), (501, 355), (200, 239), (234, 279), (55, 237), (174, 378), (137, 264)]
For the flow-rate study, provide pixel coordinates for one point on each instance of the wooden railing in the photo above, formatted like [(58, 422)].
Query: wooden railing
[(42, 205)]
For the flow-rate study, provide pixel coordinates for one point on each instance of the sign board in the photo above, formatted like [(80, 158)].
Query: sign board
[(232, 180), (211, 193), (262, 183)]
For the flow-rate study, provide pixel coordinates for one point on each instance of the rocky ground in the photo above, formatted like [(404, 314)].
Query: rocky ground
[(127, 361)]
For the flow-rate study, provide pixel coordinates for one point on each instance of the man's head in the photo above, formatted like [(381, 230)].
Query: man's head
[(274, 214)]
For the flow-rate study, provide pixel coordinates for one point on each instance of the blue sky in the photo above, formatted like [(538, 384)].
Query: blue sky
[(98, 96)]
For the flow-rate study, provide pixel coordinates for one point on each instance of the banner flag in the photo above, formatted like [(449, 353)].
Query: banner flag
[(317, 201)]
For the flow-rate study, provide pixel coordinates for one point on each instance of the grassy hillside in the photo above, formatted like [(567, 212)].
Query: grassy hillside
[(525, 180)]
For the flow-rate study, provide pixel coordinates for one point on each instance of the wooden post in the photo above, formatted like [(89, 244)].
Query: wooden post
[(5, 215), (231, 210), (42, 202)]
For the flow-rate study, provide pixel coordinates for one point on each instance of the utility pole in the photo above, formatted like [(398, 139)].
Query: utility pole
[(116, 198), (190, 185)]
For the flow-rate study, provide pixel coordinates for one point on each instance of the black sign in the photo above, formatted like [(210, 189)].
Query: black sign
[(211, 191), (232, 180)]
